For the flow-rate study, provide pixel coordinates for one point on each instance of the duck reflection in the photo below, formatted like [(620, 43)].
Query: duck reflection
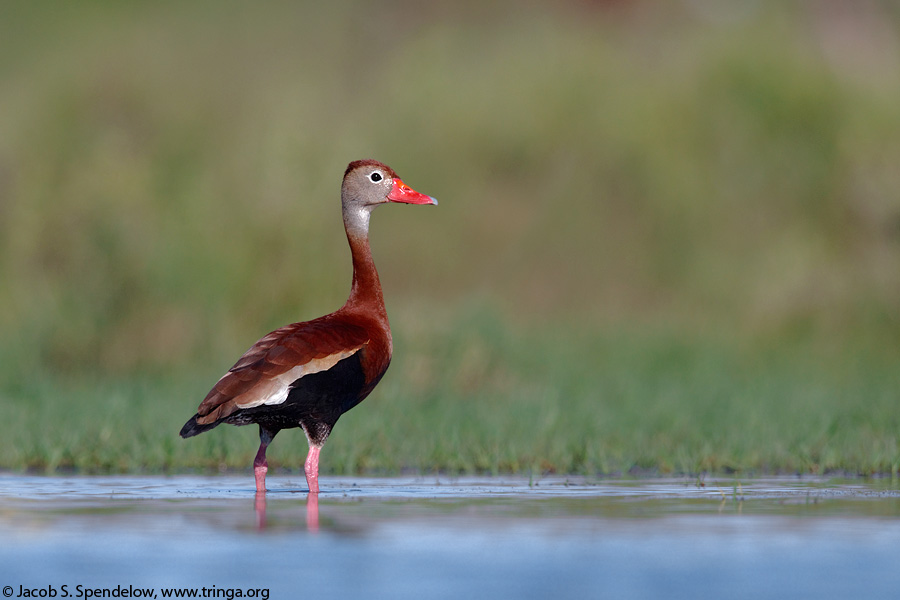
[(312, 511), (260, 506)]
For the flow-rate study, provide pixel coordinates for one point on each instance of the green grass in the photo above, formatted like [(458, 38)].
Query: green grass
[(665, 243), (474, 395)]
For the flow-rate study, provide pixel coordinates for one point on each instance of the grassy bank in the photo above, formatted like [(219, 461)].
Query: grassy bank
[(476, 396)]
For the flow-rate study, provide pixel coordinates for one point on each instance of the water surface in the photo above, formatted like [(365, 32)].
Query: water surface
[(441, 537)]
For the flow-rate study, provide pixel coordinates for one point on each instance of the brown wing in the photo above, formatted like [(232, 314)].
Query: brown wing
[(264, 374)]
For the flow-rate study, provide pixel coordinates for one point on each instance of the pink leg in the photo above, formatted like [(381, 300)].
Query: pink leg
[(312, 469), (260, 466)]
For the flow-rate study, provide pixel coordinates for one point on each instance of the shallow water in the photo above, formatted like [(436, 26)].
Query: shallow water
[(440, 537)]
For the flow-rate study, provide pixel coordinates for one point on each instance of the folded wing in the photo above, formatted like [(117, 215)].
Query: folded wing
[(265, 373)]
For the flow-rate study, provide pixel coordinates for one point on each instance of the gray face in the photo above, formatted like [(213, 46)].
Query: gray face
[(370, 185), (366, 183)]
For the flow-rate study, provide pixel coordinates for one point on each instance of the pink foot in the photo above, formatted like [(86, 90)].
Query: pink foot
[(312, 469)]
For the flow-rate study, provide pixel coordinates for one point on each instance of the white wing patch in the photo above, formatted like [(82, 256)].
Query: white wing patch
[(275, 390)]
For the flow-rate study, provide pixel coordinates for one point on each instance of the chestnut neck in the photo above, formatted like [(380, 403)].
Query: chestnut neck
[(365, 291)]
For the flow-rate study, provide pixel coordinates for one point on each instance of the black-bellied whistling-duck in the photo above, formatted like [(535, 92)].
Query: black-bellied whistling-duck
[(308, 374)]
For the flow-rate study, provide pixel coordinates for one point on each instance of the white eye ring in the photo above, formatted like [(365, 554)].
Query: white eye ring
[(375, 176)]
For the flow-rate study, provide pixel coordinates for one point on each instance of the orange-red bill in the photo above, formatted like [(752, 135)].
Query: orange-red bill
[(400, 192)]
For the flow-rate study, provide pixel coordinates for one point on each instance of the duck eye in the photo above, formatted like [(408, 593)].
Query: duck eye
[(375, 176)]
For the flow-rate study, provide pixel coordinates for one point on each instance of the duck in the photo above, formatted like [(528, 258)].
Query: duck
[(306, 375)]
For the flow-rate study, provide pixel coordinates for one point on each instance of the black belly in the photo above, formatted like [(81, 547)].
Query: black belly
[(314, 401)]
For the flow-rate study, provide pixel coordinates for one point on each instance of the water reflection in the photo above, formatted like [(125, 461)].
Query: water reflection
[(312, 511), (260, 506)]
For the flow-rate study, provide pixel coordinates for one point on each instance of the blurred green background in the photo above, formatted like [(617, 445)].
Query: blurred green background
[(668, 238)]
